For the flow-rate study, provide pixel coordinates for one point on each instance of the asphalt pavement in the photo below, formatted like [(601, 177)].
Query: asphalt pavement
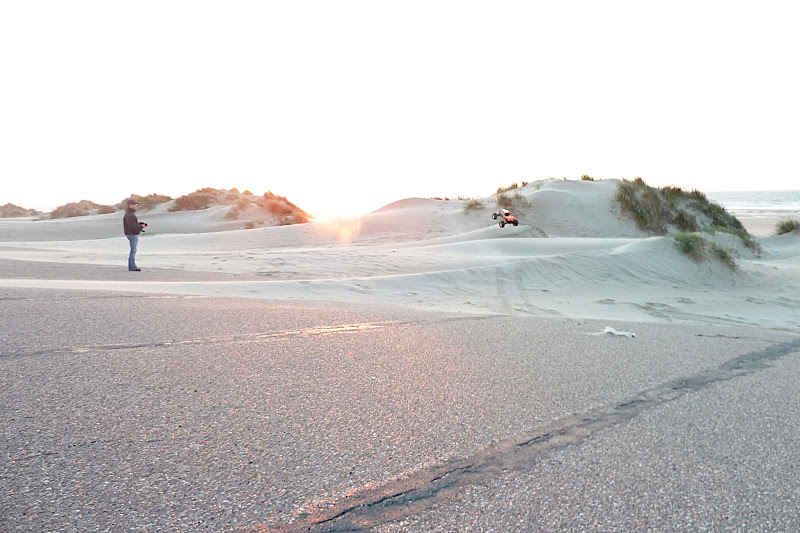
[(130, 412)]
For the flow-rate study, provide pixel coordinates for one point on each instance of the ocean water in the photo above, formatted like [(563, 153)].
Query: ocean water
[(755, 203)]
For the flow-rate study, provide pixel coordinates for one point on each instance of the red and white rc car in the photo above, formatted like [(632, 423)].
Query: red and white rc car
[(505, 217)]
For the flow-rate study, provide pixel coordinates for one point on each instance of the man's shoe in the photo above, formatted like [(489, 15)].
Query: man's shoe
[(135, 269)]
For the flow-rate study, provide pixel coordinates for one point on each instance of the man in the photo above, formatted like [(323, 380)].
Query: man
[(133, 228)]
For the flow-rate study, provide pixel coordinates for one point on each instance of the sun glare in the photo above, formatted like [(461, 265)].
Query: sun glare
[(342, 229)]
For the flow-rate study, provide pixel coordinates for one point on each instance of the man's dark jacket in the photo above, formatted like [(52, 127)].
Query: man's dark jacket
[(130, 223)]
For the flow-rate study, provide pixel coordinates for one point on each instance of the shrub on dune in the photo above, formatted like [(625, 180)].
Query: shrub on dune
[(501, 190), (690, 244), (719, 216), (655, 210), (281, 209), (644, 205), (285, 211), (685, 221), (658, 211), (199, 199), (14, 211), (145, 202), (724, 254), (748, 240), (787, 225), (241, 205), (697, 248), (504, 201), (511, 203), (472, 203), (81, 209)]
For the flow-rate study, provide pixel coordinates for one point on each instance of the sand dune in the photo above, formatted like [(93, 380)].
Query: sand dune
[(574, 254)]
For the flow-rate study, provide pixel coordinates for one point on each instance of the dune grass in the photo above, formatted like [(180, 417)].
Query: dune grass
[(517, 201), (80, 209), (719, 216), (14, 211), (515, 185), (698, 248), (471, 204), (787, 225), (657, 211), (284, 211), (747, 240), (671, 209), (145, 202), (643, 204), (202, 199), (690, 244)]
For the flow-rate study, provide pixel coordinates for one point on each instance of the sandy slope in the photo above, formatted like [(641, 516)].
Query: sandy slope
[(573, 254)]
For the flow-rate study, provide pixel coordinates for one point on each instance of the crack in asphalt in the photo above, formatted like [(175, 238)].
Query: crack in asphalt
[(109, 297), (241, 338), (251, 337), (423, 489)]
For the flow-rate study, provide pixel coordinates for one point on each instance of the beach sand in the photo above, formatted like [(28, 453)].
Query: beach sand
[(573, 254), (762, 224)]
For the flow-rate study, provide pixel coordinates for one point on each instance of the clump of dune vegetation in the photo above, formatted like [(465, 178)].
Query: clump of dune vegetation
[(204, 198), (511, 202), (471, 204), (284, 211), (81, 209), (515, 185), (657, 211), (747, 240), (698, 248), (671, 209), (14, 211), (145, 202), (587, 177), (787, 225)]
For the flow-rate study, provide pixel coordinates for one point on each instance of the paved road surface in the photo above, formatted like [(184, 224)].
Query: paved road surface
[(124, 412)]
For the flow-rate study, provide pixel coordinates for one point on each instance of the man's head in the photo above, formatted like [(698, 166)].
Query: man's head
[(133, 205)]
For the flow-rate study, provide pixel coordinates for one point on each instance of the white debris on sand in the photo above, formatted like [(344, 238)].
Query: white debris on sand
[(611, 331)]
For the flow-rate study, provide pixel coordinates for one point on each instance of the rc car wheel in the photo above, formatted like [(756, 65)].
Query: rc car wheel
[(502, 223), (516, 223), (494, 216)]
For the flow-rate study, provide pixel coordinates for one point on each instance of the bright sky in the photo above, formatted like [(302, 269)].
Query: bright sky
[(344, 106)]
